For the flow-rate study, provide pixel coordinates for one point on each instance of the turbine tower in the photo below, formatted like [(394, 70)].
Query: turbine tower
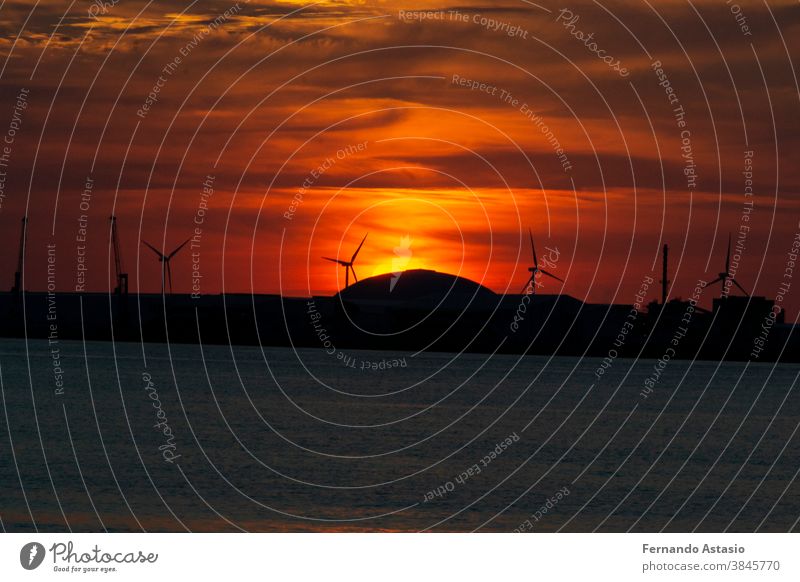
[(23, 237), (348, 265), (723, 277), (164, 260), (535, 269)]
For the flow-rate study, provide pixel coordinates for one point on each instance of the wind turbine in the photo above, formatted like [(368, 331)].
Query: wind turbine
[(723, 277), (164, 260), (348, 265), (535, 269)]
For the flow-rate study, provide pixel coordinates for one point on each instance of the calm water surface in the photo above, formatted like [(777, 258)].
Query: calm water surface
[(274, 439)]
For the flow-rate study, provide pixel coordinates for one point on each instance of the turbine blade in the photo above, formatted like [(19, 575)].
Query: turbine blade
[(354, 273), (175, 252), (169, 274), (728, 256), (533, 250), (355, 254), (152, 248), (717, 280), (735, 282), (333, 260), (525, 286), (543, 272)]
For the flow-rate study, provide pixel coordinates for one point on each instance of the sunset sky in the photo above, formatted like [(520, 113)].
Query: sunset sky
[(319, 123)]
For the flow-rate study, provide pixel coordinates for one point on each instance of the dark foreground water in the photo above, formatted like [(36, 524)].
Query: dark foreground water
[(179, 437)]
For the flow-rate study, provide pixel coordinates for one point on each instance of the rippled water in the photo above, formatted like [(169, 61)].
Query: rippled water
[(274, 439)]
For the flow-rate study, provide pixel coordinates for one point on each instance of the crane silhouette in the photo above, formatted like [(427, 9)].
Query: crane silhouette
[(164, 260)]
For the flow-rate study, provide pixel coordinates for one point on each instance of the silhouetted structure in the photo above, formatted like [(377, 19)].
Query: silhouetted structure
[(348, 265), (164, 260), (724, 276), (535, 269), (121, 276), (664, 273), (23, 236)]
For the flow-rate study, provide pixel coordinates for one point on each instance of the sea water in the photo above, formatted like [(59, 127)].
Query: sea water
[(165, 437)]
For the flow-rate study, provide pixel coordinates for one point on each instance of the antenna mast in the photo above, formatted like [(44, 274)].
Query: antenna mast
[(21, 260), (664, 280)]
